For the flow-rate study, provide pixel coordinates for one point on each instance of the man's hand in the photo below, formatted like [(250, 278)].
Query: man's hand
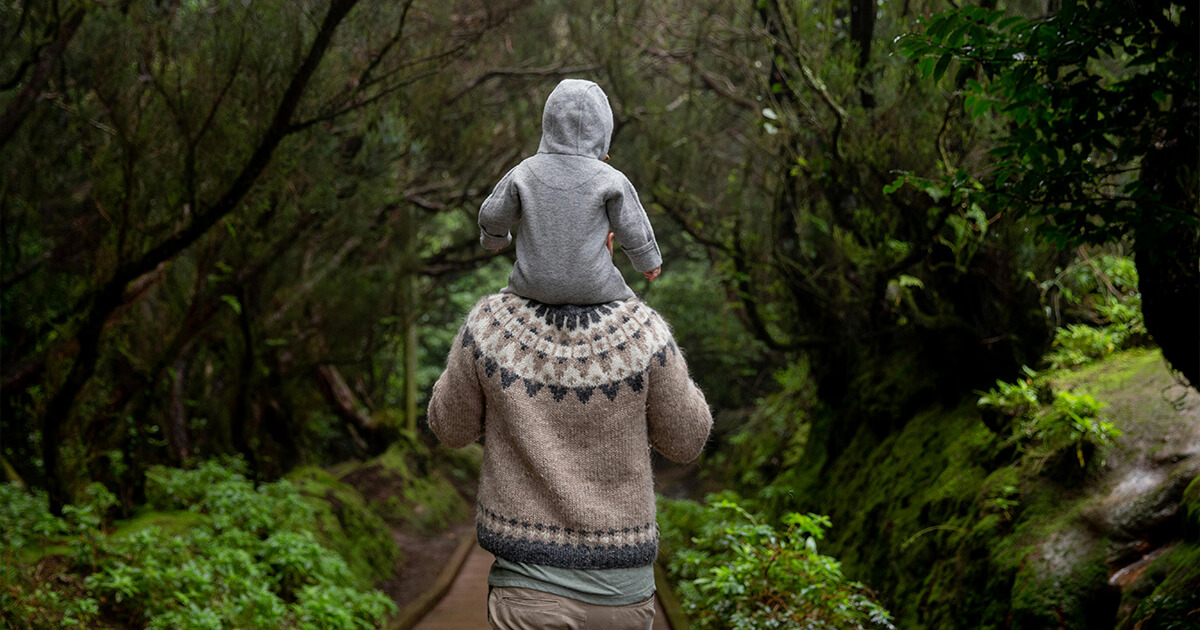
[(653, 273)]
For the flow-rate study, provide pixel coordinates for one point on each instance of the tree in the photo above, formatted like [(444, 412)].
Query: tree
[(178, 189), (1100, 137)]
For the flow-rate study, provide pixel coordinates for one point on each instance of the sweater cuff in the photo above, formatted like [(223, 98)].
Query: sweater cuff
[(494, 242), (645, 258)]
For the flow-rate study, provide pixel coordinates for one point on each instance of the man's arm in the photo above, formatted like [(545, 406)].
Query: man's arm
[(676, 411), (456, 406), (498, 213)]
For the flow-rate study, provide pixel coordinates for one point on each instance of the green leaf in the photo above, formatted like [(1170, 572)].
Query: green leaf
[(942, 64), (233, 303)]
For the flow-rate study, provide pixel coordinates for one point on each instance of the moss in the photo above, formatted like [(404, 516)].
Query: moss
[(31, 555), (422, 491), (1191, 510), (956, 531), (1118, 371), (1064, 584), (171, 522), (347, 524), (1175, 601)]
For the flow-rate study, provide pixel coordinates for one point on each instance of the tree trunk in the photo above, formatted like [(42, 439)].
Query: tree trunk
[(410, 325), (1167, 258), (862, 31), (176, 425), (1170, 285)]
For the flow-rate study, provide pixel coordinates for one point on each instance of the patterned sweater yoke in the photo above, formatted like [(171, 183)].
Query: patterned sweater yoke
[(569, 400)]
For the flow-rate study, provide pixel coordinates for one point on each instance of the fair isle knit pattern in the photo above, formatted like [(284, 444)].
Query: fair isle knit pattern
[(569, 399)]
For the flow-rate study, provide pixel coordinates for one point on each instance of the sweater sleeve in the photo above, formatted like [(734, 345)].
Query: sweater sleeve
[(456, 407), (632, 228), (676, 412), (499, 212)]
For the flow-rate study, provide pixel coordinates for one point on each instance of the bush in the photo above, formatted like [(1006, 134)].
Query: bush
[(249, 558), (1078, 344), (735, 571)]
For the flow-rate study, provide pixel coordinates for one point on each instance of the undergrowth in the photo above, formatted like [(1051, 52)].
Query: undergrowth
[(247, 558), (737, 570)]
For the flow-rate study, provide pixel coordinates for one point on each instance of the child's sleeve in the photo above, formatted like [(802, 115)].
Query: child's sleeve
[(499, 212), (632, 228)]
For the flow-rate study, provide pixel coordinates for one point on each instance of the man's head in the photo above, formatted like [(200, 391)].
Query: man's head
[(577, 120)]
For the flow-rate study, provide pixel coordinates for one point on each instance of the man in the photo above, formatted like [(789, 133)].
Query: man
[(569, 400)]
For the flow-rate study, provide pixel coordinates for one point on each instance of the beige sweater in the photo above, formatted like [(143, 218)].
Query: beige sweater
[(569, 400)]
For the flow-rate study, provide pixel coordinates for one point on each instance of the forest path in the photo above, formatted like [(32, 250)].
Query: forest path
[(465, 605)]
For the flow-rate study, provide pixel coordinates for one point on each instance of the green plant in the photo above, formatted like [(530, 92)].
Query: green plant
[(1078, 344), (1045, 421), (1073, 420), (248, 558), (1014, 399), (1097, 100), (736, 571)]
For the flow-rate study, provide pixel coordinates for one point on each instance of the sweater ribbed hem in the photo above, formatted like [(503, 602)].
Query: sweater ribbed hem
[(566, 556)]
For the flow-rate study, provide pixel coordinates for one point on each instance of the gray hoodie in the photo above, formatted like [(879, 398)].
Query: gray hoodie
[(567, 200)]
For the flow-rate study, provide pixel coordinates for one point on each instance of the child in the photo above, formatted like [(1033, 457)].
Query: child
[(567, 199)]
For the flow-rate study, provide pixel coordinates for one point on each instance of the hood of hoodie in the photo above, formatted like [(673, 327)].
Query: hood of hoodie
[(577, 120)]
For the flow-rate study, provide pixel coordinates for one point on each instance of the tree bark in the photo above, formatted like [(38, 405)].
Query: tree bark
[(176, 426), (862, 31), (1166, 259)]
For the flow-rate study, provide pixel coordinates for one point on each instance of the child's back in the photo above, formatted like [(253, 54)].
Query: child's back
[(567, 200)]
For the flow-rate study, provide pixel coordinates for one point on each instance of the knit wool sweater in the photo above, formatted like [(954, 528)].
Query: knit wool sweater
[(569, 400)]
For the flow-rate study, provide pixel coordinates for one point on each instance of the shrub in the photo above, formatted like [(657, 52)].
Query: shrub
[(1078, 344), (248, 559), (735, 571)]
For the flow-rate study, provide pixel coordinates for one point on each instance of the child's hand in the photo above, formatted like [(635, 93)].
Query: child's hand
[(653, 273)]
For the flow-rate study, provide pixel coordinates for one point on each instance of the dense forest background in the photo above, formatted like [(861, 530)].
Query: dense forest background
[(245, 232)]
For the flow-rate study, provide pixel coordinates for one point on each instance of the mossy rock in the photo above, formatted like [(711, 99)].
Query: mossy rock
[(956, 532), (1064, 585), (1168, 592), (347, 524), (1191, 509)]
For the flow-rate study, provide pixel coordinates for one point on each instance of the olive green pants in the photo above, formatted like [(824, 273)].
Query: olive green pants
[(511, 608)]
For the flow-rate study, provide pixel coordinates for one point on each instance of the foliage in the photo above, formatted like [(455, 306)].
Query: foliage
[(1089, 88), (1077, 344), (774, 437), (1072, 420), (957, 526), (252, 560), (736, 571), (1067, 419), (1098, 102), (1101, 293)]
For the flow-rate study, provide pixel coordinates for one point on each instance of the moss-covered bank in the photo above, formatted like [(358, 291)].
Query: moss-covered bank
[(958, 530)]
